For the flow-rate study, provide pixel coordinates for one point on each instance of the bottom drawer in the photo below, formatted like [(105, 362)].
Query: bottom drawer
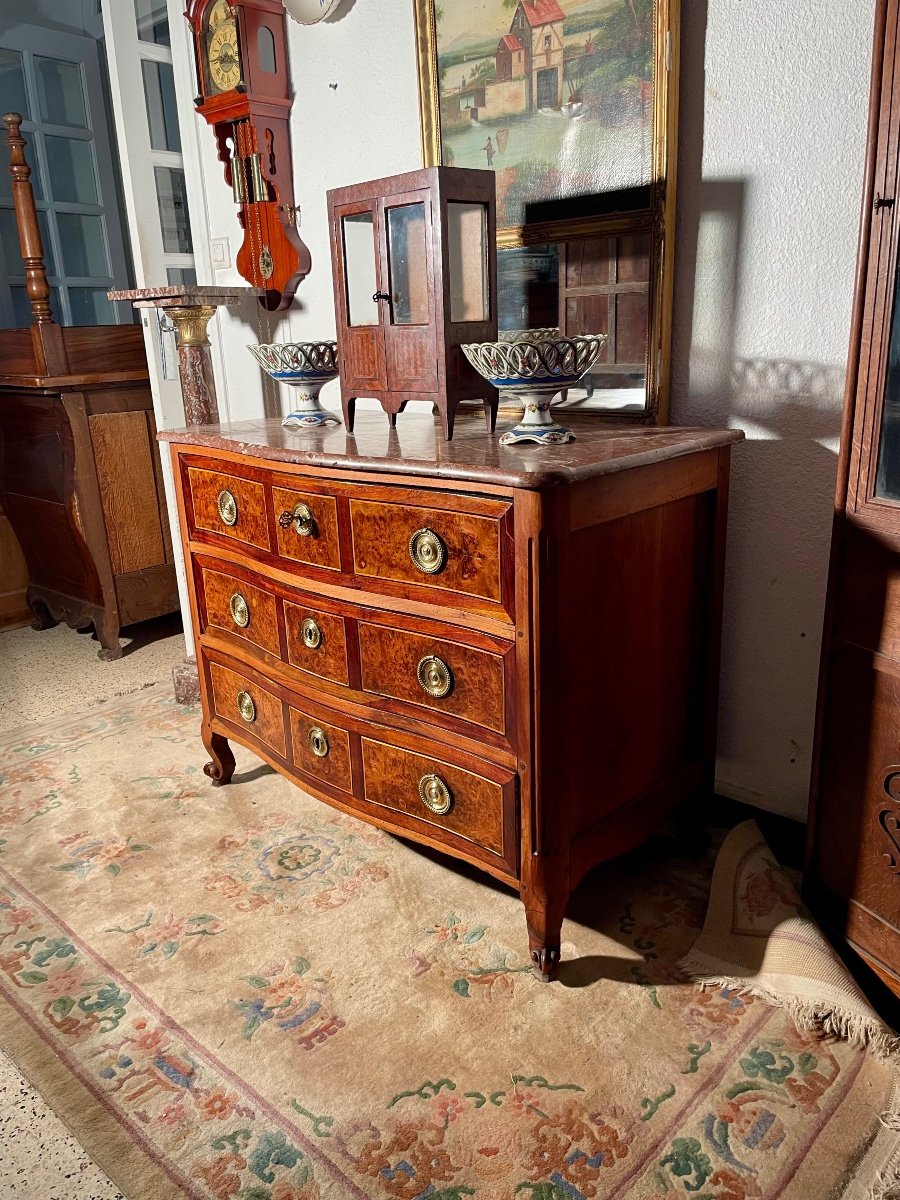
[(242, 702), (442, 795)]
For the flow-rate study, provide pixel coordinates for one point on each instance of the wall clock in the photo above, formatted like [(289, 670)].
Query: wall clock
[(243, 92), (308, 12)]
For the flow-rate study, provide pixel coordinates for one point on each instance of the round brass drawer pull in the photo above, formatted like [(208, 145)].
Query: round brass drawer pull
[(435, 677), (246, 707), (318, 742), (301, 518), (435, 794), (428, 551), (310, 633), (227, 506), (240, 611)]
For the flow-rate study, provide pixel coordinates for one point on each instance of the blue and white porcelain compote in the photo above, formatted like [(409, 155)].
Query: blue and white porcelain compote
[(535, 371), (306, 367)]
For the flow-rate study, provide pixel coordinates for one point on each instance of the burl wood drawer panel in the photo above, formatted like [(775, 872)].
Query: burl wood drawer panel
[(316, 642), (468, 543), (242, 517), (306, 527), (240, 608), (262, 718), (393, 777), (320, 749), (403, 665)]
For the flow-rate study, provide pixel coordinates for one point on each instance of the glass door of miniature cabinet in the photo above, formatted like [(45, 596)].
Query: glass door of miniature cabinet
[(407, 311), (360, 283)]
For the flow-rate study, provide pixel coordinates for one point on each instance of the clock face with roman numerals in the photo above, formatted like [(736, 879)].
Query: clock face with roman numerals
[(221, 50)]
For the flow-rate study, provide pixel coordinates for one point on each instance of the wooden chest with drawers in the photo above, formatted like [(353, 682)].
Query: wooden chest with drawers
[(510, 655)]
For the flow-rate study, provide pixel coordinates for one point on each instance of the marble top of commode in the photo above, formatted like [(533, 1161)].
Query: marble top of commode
[(417, 447)]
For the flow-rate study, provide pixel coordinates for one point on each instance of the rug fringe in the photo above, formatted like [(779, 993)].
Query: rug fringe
[(830, 1019)]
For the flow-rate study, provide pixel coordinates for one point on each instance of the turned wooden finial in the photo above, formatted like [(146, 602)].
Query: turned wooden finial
[(32, 248)]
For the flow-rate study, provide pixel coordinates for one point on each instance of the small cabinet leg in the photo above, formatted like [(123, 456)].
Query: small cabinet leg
[(221, 768), (490, 413), (348, 406)]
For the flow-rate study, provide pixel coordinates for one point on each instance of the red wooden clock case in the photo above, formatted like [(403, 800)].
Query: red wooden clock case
[(254, 116)]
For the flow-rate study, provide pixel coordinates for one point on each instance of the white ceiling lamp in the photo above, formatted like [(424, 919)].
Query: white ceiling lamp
[(308, 12)]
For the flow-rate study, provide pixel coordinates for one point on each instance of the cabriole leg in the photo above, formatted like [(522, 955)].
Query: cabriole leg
[(221, 768)]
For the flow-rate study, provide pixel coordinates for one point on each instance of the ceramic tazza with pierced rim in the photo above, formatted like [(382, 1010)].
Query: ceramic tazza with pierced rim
[(306, 367), (535, 371)]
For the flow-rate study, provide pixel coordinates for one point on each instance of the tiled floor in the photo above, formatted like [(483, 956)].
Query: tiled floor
[(46, 674)]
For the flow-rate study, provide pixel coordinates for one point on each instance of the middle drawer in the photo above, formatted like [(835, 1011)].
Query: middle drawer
[(386, 661)]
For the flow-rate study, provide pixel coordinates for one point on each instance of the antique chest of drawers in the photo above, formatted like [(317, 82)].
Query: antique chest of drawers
[(510, 655)]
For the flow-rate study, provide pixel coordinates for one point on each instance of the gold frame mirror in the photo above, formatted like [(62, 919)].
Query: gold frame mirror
[(584, 256)]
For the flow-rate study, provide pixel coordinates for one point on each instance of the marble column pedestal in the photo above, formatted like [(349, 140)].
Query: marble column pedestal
[(190, 309)]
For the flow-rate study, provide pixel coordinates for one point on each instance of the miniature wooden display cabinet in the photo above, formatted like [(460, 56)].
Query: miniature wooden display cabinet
[(244, 92), (415, 275)]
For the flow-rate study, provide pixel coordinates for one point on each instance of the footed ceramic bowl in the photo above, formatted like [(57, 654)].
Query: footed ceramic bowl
[(527, 335), (535, 371), (306, 367)]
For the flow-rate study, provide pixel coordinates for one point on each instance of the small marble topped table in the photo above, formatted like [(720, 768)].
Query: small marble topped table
[(190, 308)]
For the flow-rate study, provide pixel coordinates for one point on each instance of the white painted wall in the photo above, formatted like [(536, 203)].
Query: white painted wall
[(773, 131), (772, 139)]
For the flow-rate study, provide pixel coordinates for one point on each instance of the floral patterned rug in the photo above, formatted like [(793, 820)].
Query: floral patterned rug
[(238, 992)]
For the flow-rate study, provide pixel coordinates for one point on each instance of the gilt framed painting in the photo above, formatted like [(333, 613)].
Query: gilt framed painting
[(557, 97), (573, 104)]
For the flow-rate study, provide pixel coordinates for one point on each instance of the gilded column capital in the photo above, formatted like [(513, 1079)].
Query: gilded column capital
[(191, 323)]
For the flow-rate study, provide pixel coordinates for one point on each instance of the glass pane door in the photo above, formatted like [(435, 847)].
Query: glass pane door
[(408, 264), (887, 481), (360, 275), (53, 80)]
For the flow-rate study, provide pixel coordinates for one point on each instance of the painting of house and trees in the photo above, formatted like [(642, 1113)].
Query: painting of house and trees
[(556, 96)]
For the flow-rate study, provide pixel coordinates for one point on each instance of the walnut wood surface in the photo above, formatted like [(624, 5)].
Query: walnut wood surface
[(335, 767), (392, 779), (381, 536), (575, 725), (123, 456), (251, 525), (268, 725), (328, 660), (322, 547), (852, 879), (389, 660), (217, 590)]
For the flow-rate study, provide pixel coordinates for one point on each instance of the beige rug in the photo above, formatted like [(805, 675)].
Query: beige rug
[(239, 993)]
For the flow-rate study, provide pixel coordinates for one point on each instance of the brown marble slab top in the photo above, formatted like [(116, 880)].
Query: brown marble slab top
[(184, 295), (416, 447)]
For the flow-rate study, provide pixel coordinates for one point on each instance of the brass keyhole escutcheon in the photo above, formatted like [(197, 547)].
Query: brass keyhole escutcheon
[(227, 506), (428, 551), (310, 633), (435, 794), (435, 677), (318, 742), (246, 707), (240, 612), (301, 518)]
